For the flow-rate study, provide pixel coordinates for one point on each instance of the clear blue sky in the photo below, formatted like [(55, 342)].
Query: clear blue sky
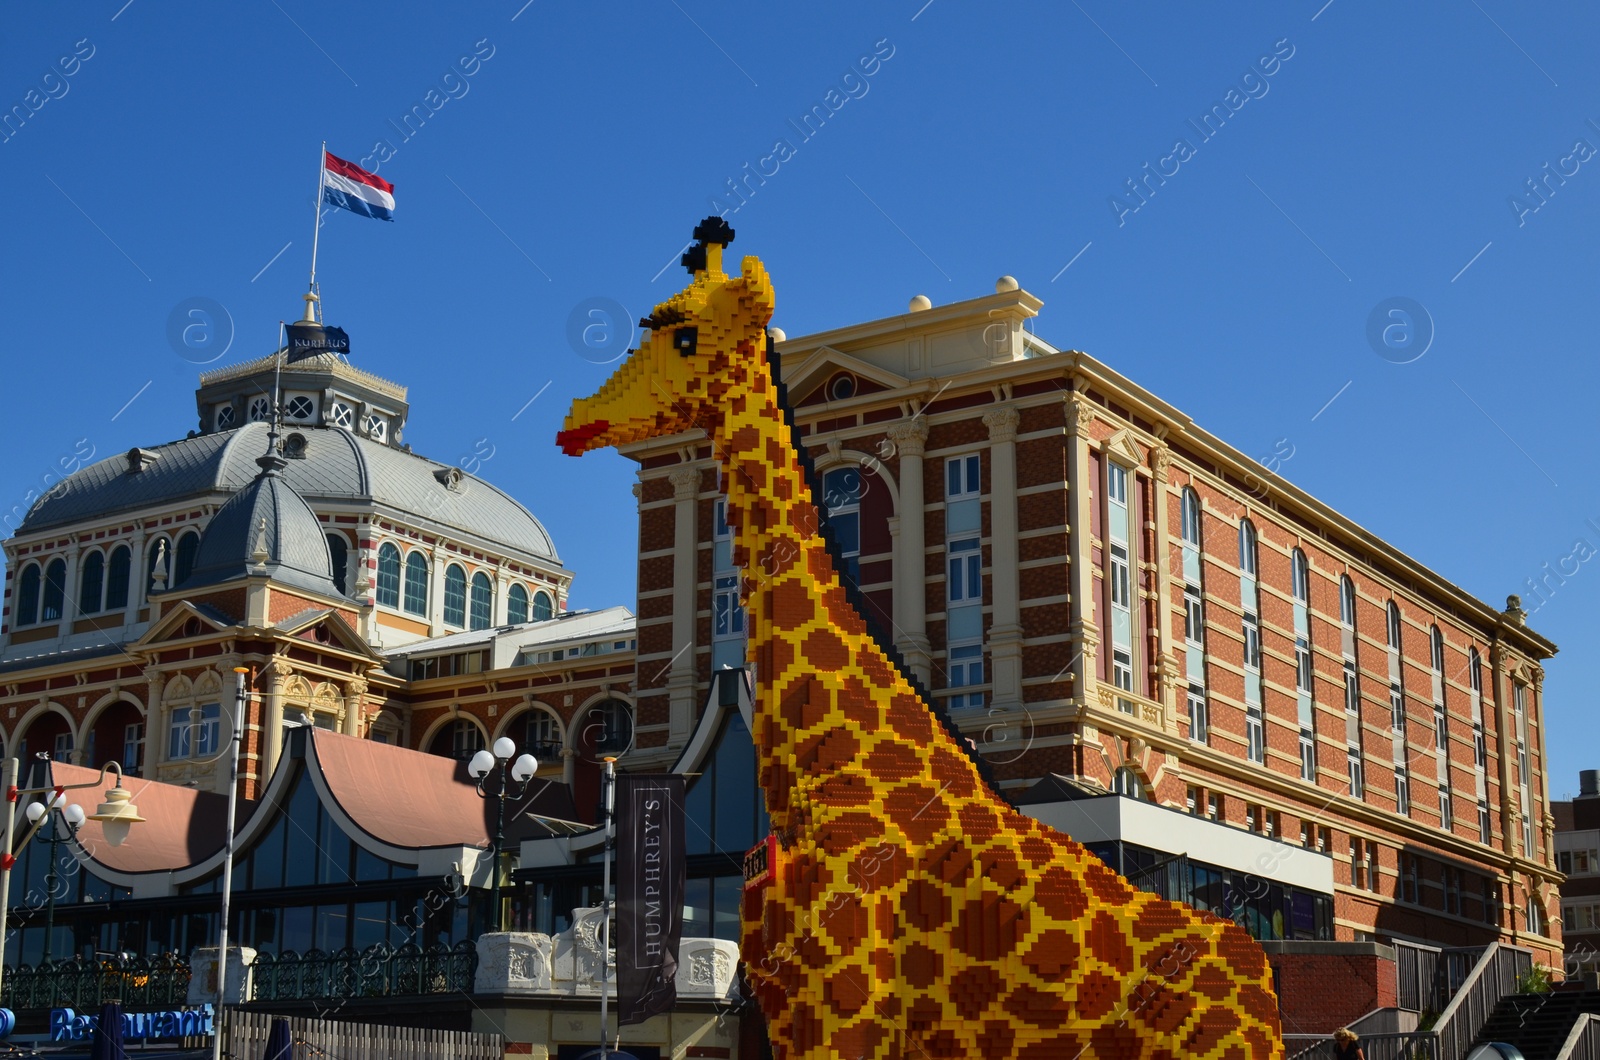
[(1378, 161)]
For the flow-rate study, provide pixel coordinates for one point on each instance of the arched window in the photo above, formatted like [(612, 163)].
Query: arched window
[(542, 608), (1436, 641), (55, 591), (388, 575), (1347, 601), (517, 604), (542, 735), (841, 489), (482, 601), (1247, 548), (417, 583), (91, 582), (455, 596), (1394, 626), (28, 595), (1300, 575), (339, 555), (1191, 517), (183, 559), (157, 553), (607, 728), (466, 739), (117, 578)]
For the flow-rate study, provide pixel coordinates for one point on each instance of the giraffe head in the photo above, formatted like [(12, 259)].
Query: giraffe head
[(697, 353)]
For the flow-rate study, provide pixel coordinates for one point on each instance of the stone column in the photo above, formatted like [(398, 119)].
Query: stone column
[(69, 594), (354, 711), (685, 586), (1167, 671), (910, 596), (1085, 642), (436, 566), (1005, 628), (1506, 738), (272, 718), (136, 576), (157, 683), (502, 585)]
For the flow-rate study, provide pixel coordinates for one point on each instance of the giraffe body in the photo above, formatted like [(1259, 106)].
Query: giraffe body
[(912, 912)]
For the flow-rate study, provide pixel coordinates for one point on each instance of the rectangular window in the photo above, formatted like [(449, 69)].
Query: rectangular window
[(1199, 727), (964, 581), (1358, 774), (1402, 792), (1480, 748), (1307, 834), (1120, 577), (1255, 737), (1273, 824), (1252, 643), (1352, 691), (1446, 810), (1308, 756), (1408, 878), (962, 478), (1194, 617), (1564, 861), (1441, 730), (841, 490), (1372, 866), (132, 748), (1214, 811), (1397, 708), (1251, 817), (1358, 865), (1302, 666), (1193, 802), (1324, 839), (1122, 674), (966, 670), (63, 747), (727, 614), (192, 737), (1483, 822)]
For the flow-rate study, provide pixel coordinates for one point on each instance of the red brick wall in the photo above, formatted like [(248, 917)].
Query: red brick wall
[(1333, 985)]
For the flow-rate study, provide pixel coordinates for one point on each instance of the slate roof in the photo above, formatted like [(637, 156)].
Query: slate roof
[(267, 512), (338, 466)]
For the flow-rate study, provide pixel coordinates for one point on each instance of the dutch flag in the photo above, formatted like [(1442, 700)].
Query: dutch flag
[(352, 188)]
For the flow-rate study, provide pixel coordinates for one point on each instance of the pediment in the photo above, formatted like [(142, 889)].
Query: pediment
[(175, 620), (326, 629), (806, 377), (1125, 448)]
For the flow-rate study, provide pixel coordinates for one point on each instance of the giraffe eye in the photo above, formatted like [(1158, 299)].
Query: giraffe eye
[(684, 339)]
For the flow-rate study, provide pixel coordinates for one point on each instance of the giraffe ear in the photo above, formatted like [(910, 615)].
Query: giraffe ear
[(758, 285)]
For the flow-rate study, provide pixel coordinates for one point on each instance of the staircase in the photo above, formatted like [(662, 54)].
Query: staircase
[(1538, 1024)]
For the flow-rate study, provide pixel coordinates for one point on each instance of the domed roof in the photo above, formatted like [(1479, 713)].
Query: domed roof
[(336, 465), (265, 527)]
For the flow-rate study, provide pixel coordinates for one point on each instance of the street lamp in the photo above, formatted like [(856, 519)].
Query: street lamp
[(115, 815), (482, 769), (72, 815)]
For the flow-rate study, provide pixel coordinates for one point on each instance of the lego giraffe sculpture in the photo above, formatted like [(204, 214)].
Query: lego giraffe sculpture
[(912, 912)]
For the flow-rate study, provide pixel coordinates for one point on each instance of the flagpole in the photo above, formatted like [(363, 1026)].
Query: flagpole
[(316, 228)]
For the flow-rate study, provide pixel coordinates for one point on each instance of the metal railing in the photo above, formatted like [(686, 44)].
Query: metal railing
[(377, 971), (139, 982), (1420, 1045), (1429, 976), (1493, 976), (244, 1034), (1583, 1043)]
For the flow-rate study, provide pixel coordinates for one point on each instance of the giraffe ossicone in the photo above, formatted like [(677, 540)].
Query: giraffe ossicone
[(912, 911)]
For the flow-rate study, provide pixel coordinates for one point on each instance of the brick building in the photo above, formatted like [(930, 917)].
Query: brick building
[(1577, 842), (1112, 602)]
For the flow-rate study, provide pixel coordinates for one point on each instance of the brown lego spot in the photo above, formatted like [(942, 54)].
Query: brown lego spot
[(908, 717), (950, 861), (860, 1039), (1157, 918), (925, 905), (1038, 1008), (979, 822), (1104, 940), (943, 1045), (838, 749), (1000, 1038), (891, 761), (1059, 895), (922, 1013), (1098, 995), (1213, 1027), (847, 790), (951, 770), (823, 650), (1211, 982), (973, 990), (846, 991), (1052, 954), (1001, 868), (1066, 1046), (1116, 1040), (1165, 1009), (846, 832), (1105, 884), (1037, 852), (1242, 953), (920, 966), (988, 927), (915, 810)]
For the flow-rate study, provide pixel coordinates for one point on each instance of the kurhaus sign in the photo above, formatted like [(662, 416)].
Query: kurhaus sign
[(67, 1025)]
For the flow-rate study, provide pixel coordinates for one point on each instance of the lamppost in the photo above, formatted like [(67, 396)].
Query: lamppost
[(72, 816), (116, 815), (482, 768)]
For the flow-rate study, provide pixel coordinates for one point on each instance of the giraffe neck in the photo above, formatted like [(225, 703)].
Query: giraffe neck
[(793, 594)]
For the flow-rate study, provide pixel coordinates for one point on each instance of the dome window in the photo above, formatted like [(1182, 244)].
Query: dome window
[(260, 409), (300, 407), (342, 415), (378, 428), (224, 417), (449, 478), (841, 386), (294, 447)]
